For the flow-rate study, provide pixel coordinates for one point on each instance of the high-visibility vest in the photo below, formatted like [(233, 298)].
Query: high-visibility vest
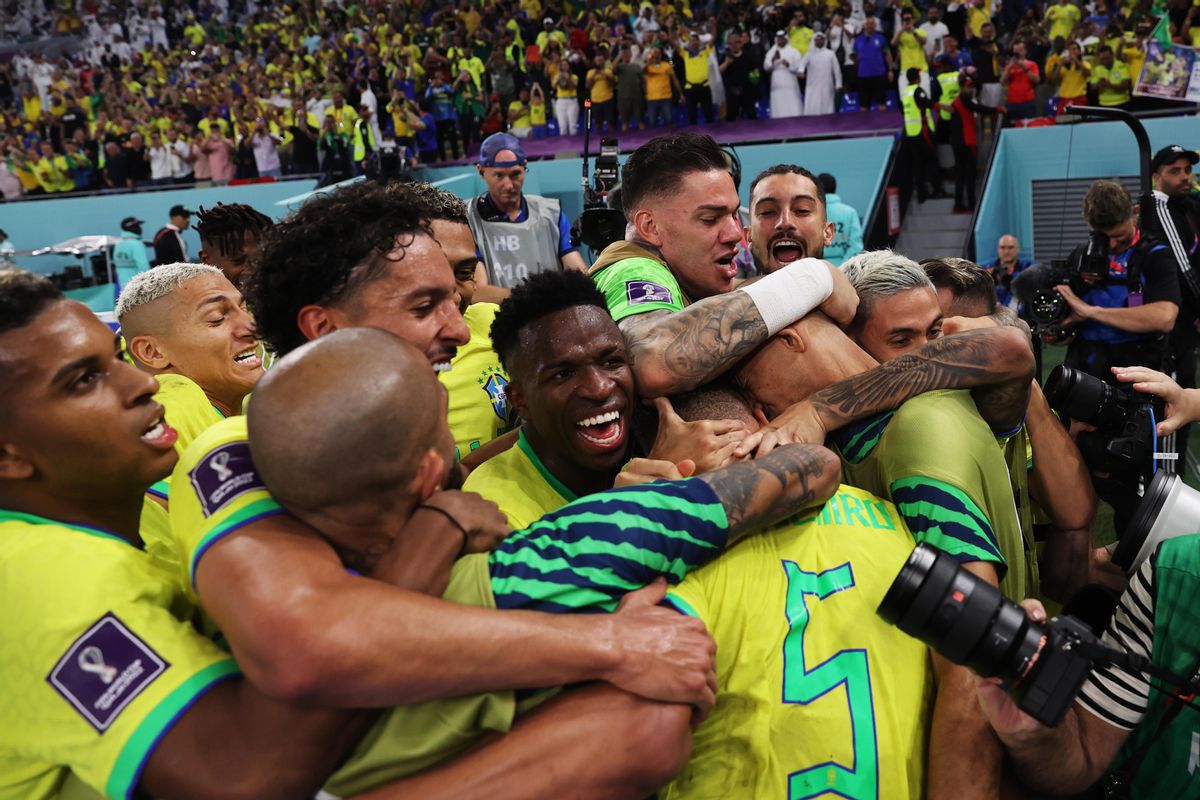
[(912, 112), (364, 139), (950, 91)]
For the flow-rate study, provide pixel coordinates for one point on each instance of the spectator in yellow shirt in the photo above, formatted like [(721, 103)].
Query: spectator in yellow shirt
[(600, 85), (1111, 79), (520, 123), (1061, 19), (1071, 72)]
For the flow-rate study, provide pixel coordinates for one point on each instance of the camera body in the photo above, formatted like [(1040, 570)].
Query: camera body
[(1084, 268), (600, 224), (969, 622)]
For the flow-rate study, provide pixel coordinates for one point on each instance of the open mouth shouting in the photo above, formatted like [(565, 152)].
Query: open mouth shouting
[(787, 249), (725, 265), (603, 432)]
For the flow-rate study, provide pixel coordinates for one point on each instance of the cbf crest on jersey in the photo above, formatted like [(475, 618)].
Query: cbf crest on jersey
[(495, 385)]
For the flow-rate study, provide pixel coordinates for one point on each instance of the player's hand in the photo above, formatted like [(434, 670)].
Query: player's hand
[(1183, 405), (799, 423), (709, 444), (484, 522), (843, 302), (1009, 722), (645, 470), (664, 655)]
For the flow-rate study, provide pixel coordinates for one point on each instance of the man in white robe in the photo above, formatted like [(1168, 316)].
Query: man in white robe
[(783, 62), (820, 66)]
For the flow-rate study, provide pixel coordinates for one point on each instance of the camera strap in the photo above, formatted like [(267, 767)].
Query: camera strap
[(1118, 782)]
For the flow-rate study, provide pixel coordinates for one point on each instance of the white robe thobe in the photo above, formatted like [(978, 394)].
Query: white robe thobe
[(785, 87), (824, 78)]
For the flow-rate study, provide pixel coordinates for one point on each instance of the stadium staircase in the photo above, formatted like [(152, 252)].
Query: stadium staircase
[(932, 230)]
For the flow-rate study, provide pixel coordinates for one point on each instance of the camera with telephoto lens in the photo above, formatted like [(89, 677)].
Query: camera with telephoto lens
[(1119, 453), (969, 622), (1169, 508), (1086, 266), (600, 224)]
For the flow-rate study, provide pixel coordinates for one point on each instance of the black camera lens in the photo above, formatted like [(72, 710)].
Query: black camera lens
[(1085, 398), (961, 616), (1047, 306)]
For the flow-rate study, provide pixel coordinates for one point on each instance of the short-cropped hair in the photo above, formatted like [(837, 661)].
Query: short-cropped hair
[(153, 284), (1106, 205), (24, 295), (966, 280), (656, 167), (879, 274)]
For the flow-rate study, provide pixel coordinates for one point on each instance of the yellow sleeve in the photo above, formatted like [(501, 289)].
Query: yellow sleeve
[(215, 490), (98, 666)]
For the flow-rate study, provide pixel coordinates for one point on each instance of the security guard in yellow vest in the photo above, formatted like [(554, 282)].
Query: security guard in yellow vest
[(918, 138), (364, 137), (948, 86)]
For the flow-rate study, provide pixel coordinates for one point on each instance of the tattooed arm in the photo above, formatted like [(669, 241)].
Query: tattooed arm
[(677, 351), (996, 362), (762, 492)]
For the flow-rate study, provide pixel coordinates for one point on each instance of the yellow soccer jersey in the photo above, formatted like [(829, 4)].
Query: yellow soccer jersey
[(518, 482), (478, 386), (214, 491), (188, 409), (101, 658), (818, 696)]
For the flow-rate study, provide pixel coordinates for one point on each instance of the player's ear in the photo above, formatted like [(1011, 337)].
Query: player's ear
[(148, 351), (13, 465), (793, 338), (516, 399), (830, 229), (647, 228), (431, 474), (316, 321), (203, 256)]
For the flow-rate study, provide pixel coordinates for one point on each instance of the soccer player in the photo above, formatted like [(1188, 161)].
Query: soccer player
[(106, 678), (480, 409), (670, 283), (230, 237), (787, 218), (362, 256), (816, 693), (582, 557), (187, 325), (113, 686)]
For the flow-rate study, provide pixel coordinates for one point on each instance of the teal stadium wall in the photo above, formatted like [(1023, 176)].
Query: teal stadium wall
[(1092, 150), (858, 165)]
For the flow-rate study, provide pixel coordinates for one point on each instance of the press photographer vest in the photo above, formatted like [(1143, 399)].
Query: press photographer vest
[(1169, 768), (512, 251), (1115, 291)]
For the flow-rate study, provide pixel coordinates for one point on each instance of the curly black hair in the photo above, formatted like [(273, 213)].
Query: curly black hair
[(23, 295), (325, 252), (225, 225), (441, 205), (542, 294)]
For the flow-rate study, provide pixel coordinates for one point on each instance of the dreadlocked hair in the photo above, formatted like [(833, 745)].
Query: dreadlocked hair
[(225, 225)]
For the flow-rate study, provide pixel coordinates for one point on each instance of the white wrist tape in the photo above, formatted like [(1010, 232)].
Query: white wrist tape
[(790, 293)]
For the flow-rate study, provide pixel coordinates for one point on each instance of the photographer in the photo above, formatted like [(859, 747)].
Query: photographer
[(1124, 308), (1144, 740)]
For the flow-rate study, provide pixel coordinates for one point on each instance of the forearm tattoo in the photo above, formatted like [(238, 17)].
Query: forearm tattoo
[(695, 345), (971, 360), (783, 482)]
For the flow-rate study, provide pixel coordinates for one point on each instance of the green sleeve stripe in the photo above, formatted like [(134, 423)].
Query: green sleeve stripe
[(681, 605), (127, 771), (963, 552), (622, 520), (259, 509), (160, 489), (565, 596), (576, 561), (651, 495)]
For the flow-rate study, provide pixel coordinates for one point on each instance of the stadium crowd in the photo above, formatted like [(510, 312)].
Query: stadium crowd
[(223, 532), (224, 91)]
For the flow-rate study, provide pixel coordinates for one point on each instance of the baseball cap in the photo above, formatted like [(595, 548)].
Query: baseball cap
[(781, 32), (180, 211), (1172, 153), (497, 143), (129, 223)]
